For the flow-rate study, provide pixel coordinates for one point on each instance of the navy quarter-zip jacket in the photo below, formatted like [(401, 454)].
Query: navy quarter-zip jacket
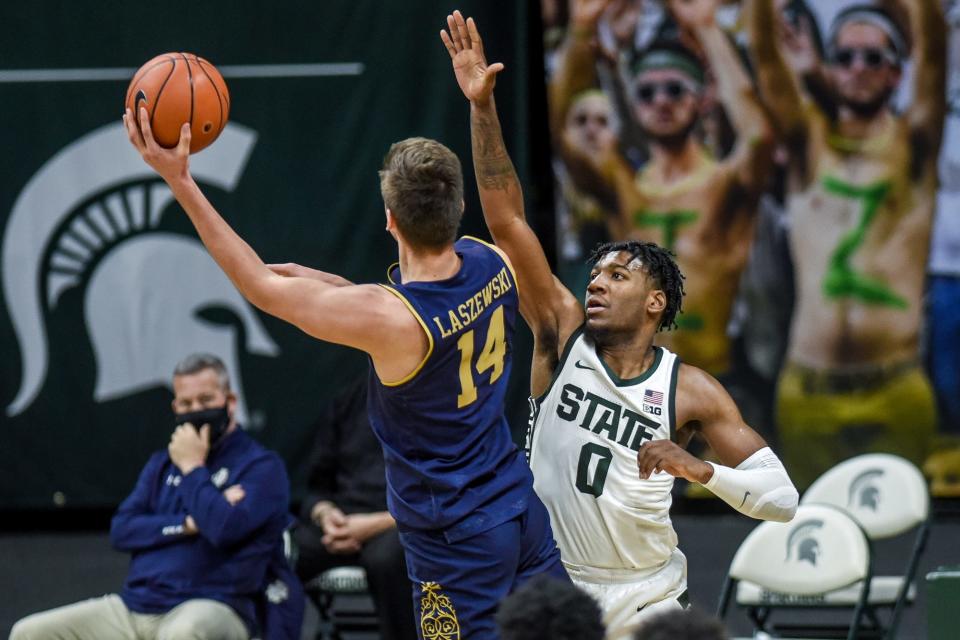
[(227, 560)]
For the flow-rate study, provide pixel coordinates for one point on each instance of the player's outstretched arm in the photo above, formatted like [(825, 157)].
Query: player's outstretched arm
[(314, 304), (751, 157), (750, 478), (294, 270), (547, 308)]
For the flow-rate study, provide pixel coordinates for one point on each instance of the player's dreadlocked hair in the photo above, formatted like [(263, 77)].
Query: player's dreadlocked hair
[(659, 265)]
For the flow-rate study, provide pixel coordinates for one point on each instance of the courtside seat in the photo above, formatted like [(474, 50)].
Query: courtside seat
[(340, 580), (821, 550), (886, 494), (888, 497), (353, 610)]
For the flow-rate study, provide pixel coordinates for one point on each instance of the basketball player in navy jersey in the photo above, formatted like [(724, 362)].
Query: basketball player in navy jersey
[(439, 337), (613, 412)]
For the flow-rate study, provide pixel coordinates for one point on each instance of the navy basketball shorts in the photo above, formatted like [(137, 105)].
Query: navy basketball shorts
[(458, 586)]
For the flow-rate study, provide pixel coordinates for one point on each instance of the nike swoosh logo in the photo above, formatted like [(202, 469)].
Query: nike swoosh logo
[(642, 607), (742, 502), (582, 366)]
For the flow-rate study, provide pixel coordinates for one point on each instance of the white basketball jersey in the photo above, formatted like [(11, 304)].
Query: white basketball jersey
[(585, 432)]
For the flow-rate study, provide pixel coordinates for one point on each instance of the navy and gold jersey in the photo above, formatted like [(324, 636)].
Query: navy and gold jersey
[(450, 460)]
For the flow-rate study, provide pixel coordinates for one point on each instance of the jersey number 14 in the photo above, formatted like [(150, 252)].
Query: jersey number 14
[(491, 356)]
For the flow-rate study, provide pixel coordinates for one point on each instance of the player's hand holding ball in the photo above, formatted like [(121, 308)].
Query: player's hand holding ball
[(176, 104), (171, 164), (176, 88)]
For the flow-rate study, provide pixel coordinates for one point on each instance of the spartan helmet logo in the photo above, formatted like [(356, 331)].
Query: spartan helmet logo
[(89, 216), (864, 492), (802, 543)]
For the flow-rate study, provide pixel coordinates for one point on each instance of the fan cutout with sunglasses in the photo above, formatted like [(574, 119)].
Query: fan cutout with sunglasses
[(673, 90)]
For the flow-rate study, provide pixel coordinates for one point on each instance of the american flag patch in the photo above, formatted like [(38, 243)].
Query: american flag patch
[(653, 397)]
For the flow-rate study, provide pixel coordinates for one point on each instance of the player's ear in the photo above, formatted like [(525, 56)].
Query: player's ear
[(656, 301), (463, 206), (392, 224)]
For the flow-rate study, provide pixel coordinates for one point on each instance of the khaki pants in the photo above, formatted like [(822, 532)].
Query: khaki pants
[(107, 618), (820, 428)]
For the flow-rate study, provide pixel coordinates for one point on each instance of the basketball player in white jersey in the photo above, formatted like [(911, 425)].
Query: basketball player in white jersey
[(613, 412)]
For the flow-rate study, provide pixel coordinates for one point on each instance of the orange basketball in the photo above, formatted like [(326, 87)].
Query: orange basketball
[(176, 88)]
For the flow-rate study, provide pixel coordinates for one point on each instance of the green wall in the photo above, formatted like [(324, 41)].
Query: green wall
[(307, 192)]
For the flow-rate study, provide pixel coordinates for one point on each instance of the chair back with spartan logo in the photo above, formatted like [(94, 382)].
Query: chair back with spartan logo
[(888, 496), (821, 549)]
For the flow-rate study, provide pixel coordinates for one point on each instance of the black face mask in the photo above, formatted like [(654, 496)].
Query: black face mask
[(218, 418)]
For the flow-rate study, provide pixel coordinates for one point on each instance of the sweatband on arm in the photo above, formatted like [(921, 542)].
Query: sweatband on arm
[(759, 487)]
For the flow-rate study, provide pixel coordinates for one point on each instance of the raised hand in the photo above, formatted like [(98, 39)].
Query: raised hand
[(169, 163), (475, 77), (694, 14)]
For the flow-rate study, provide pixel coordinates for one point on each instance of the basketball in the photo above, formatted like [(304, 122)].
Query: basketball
[(176, 88)]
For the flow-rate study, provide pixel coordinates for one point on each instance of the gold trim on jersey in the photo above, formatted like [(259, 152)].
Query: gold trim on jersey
[(426, 330), (503, 256), (438, 618), (390, 271)]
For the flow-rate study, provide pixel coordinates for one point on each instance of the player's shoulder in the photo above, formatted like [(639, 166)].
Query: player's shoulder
[(693, 379), (479, 243), (489, 247), (382, 306), (693, 383), (372, 298), (392, 305), (699, 394)]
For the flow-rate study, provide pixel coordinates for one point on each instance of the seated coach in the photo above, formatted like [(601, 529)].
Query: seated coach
[(204, 528)]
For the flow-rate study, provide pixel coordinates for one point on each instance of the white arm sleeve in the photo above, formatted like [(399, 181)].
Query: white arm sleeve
[(759, 487)]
